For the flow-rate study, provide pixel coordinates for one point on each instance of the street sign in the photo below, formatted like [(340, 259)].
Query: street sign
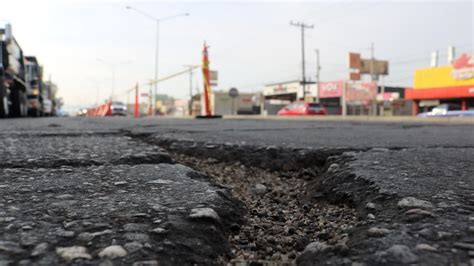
[(233, 92), (213, 77)]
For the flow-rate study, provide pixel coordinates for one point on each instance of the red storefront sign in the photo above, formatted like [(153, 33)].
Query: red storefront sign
[(361, 91), (331, 89)]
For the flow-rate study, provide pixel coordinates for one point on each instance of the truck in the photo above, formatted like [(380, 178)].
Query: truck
[(34, 86), (13, 89)]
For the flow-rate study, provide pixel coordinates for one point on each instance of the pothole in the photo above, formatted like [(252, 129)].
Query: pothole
[(280, 223)]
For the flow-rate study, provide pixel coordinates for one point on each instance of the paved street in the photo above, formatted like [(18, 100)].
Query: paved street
[(179, 191)]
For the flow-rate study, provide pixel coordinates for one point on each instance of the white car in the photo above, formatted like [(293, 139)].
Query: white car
[(118, 108), (47, 107)]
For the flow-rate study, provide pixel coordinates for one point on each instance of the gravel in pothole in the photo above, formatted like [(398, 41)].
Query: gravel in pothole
[(279, 224)]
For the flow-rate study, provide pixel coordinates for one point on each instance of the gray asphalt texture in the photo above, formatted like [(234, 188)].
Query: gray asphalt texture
[(430, 162)]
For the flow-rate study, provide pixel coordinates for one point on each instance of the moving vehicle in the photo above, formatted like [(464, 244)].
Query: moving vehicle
[(34, 87), (447, 110), (303, 108), (118, 108), (13, 89)]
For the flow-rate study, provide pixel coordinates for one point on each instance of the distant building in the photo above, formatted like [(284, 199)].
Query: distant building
[(452, 84), (277, 95), (223, 104)]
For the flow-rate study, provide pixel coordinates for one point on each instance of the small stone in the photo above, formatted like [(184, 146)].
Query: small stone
[(333, 167), (377, 232), (27, 227), (133, 247), (371, 216), (114, 251), (105, 232), (398, 253), (72, 253), (425, 247), (204, 213), (86, 237), (146, 263), (316, 247), (444, 235), (39, 249), (63, 233), (160, 181), (260, 189), (411, 202), (142, 238), (159, 230), (471, 229), (64, 196), (471, 253), (370, 206)]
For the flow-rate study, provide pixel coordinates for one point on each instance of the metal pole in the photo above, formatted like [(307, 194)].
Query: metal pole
[(190, 91), (136, 110), (155, 90), (344, 103), (318, 68), (303, 66), (150, 100), (113, 83), (374, 104)]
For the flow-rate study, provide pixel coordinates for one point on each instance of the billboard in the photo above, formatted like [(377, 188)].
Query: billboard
[(359, 66), (380, 67), (331, 89), (459, 74), (354, 61), (361, 91)]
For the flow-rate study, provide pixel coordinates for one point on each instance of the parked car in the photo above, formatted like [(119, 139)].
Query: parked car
[(445, 110), (303, 108), (118, 108)]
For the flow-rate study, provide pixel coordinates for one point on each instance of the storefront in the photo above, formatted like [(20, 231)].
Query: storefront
[(452, 84), (360, 97), (277, 95), (330, 95)]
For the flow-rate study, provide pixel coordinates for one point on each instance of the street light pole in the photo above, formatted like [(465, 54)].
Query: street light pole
[(157, 22), (155, 88)]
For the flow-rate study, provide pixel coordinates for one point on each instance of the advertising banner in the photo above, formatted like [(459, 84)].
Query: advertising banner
[(354, 61), (380, 67), (361, 91), (331, 89)]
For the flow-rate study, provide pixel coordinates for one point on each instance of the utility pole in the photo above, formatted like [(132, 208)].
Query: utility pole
[(372, 61), (318, 69), (303, 26), (372, 77)]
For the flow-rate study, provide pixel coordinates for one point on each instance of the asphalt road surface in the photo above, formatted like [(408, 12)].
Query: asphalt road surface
[(180, 191)]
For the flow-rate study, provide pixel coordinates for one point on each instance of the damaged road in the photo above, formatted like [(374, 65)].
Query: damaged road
[(148, 192)]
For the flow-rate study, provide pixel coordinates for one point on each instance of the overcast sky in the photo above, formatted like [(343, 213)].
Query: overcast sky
[(251, 43)]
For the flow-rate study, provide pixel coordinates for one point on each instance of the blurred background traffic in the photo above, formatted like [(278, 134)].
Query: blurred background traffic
[(114, 58)]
